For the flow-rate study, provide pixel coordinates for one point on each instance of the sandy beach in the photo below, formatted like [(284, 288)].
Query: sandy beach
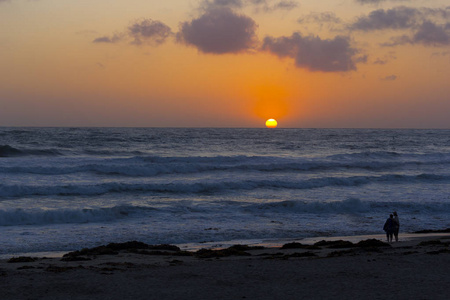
[(414, 269)]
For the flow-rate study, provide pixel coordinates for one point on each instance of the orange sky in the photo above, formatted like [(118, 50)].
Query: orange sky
[(225, 63)]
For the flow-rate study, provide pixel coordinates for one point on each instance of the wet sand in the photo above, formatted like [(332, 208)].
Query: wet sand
[(414, 269)]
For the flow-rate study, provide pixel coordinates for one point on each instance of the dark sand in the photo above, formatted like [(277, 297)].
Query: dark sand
[(407, 270)]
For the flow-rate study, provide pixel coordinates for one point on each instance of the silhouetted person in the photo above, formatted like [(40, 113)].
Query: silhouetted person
[(396, 226), (389, 228)]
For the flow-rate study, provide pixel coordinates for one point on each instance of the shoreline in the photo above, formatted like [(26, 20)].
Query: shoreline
[(413, 268), (267, 243)]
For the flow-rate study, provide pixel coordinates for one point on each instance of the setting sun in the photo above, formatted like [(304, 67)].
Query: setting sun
[(271, 123)]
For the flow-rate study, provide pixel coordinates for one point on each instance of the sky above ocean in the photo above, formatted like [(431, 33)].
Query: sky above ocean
[(225, 63)]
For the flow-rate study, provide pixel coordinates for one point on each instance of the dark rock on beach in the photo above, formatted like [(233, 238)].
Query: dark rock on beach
[(370, 243), (231, 251), (114, 248), (21, 259), (335, 244)]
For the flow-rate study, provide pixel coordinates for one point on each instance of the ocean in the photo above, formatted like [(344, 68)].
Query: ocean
[(63, 189)]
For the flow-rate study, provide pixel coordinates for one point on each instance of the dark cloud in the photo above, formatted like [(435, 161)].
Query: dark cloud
[(395, 18), (314, 53), (149, 31), (219, 31), (428, 34), (106, 39), (426, 26), (432, 34), (401, 17)]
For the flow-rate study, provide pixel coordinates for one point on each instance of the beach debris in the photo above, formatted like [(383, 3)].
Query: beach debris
[(21, 259)]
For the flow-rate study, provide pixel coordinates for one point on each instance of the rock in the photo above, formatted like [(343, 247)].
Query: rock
[(335, 244), (370, 243), (21, 259), (113, 248)]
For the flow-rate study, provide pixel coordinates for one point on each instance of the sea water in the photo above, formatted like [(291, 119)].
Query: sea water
[(63, 189)]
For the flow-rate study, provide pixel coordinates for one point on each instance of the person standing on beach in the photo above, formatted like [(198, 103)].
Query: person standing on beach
[(389, 228), (396, 226)]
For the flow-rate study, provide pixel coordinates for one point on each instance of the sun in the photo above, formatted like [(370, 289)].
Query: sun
[(271, 123)]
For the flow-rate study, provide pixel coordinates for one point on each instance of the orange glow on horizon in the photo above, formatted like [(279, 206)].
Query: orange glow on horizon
[(270, 101)]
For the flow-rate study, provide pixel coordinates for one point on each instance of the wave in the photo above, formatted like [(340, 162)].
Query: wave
[(148, 166), (350, 205), (8, 151), (61, 216), (14, 217), (213, 187)]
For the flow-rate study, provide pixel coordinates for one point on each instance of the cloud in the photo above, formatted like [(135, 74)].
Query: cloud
[(395, 18), (144, 31), (376, 2), (208, 4), (111, 40), (426, 26), (150, 31), (380, 61), (389, 78), (284, 5), (385, 59), (432, 34), (218, 31), (323, 17), (427, 34), (259, 5), (314, 53), (399, 18)]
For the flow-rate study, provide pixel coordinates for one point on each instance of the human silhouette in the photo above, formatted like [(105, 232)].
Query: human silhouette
[(389, 228), (396, 226)]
